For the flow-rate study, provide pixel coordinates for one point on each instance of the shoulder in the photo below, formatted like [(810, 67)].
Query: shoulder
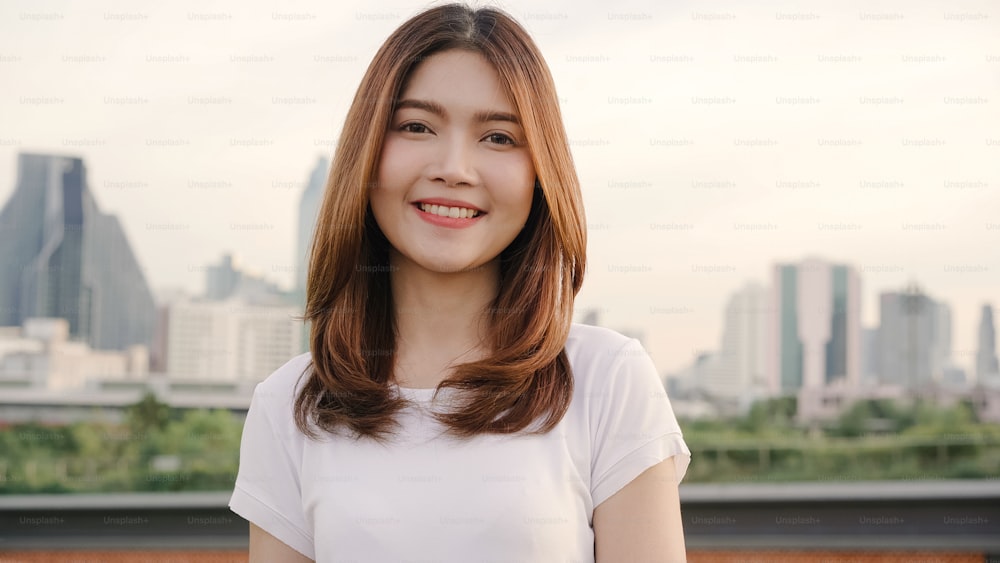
[(599, 355), (589, 346), (588, 336), (278, 390)]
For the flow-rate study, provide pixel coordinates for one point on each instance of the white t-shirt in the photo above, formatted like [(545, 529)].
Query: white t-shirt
[(430, 497)]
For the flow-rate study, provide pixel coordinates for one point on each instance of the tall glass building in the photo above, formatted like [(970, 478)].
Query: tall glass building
[(987, 366), (309, 204), (914, 339), (62, 257), (816, 331)]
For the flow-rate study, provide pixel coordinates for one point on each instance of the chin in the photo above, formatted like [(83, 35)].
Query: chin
[(452, 267), (455, 268)]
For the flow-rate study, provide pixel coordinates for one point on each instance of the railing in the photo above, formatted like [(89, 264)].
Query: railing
[(890, 515), (877, 516), (826, 459)]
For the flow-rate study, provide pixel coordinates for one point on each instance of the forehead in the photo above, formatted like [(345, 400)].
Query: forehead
[(458, 79)]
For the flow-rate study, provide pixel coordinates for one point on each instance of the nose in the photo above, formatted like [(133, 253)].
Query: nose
[(454, 163)]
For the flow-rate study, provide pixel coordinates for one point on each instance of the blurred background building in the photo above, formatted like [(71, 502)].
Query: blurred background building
[(803, 337), (229, 340), (62, 257), (77, 315), (40, 356), (817, 327), (913, 339), (987, 368), (309, 204)]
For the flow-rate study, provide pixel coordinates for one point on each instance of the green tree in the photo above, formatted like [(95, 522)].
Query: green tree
[(770, 415), (147, 416)]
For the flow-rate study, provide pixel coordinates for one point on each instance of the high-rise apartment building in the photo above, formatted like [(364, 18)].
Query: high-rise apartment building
[(987, 368), (62, 257), (816, 329), (309, 205), (914, 339), (229, 341), (739, 367), (225, 280), (221, 279)]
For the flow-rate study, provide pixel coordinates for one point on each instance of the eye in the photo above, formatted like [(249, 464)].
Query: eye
[(500, 139), (414, 127)]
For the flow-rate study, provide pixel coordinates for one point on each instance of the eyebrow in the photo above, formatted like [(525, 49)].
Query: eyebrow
[(438, 109)]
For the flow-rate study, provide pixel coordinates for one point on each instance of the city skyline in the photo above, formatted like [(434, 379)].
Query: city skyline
[(221, 279), (803, 331), (716, 141)]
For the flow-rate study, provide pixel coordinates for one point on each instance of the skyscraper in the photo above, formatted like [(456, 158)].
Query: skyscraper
[(816, 329), (914, 339), (221, 279), (62, 257), (869, 356), (987, 368), (232, 340), (739, 367), (309, 204)]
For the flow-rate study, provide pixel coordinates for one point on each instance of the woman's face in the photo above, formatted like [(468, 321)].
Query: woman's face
[(455, 179)]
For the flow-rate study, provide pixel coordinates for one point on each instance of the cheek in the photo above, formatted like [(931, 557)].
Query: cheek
[(392, 174), (400, 161), (380, 193), (514, 179), (387, 164), (525, 187)]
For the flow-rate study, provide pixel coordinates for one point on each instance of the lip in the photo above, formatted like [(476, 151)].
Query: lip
[(449, 203), (449, 222)]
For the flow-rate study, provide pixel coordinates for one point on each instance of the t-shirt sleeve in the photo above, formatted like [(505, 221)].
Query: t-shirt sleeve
[(634, 427), (268, 490)]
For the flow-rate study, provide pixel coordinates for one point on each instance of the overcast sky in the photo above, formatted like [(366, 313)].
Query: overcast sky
[(713, 139)]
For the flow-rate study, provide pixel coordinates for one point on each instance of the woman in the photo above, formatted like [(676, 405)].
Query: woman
[(450, 410)]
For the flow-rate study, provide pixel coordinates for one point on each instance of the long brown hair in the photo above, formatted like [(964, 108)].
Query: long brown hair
[(348, 298)]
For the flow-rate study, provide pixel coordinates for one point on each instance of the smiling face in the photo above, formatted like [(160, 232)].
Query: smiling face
[(455, 178)]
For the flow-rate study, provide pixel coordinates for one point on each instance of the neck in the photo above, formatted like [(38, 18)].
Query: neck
[(440, 315)]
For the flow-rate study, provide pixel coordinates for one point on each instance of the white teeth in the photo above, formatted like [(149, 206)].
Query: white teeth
[(453, 212)]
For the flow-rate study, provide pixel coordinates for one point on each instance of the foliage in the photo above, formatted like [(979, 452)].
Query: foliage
[(154, 449), (872, 440)]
